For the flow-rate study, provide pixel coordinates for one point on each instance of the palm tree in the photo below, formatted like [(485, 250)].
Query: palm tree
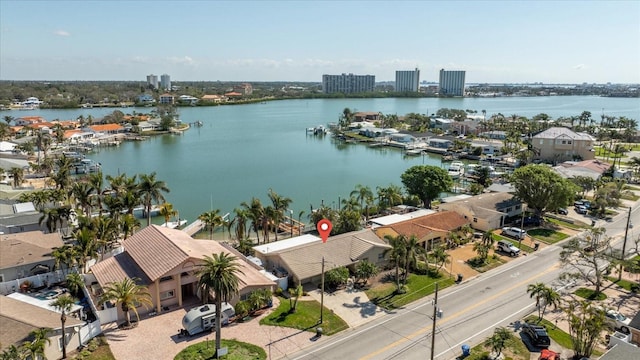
[(105, 231), (96, 183), (82, 194), (18, 176), (241, 223), (219, 273), (412, 251), (364, 195), (75, 282), (544, 296), (211, 219), (86, 245), (167, 211), (440, 257), (389, 196), (255, 212), (63, 303), (128, 294), (150, 190), (280, 205), (129, 224), (498, 340), (35, 349), (396, 253)]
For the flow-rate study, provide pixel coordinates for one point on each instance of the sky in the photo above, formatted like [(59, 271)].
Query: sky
[(493, 41)]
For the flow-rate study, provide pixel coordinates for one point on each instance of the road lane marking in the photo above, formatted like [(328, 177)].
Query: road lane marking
[(449, 318)]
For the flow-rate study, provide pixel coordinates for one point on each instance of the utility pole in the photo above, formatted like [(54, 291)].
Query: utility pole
[(322, 293), (433, 330), (624, 245)]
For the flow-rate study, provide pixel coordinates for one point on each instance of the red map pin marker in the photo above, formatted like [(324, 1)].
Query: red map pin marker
[(324, 228)]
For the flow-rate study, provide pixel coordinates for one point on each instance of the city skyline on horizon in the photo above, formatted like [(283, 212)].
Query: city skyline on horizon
[(299, 41)]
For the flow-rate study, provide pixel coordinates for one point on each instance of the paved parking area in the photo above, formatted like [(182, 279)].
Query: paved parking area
[(156, 338)]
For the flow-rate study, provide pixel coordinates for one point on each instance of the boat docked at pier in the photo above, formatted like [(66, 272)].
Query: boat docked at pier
[(456, 169)]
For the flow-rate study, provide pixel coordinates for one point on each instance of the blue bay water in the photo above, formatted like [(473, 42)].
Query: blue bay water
[(243, 151)]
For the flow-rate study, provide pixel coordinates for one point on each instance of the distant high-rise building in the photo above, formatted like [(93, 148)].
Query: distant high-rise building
[(152, 81), (165, 82), (408, 80), (348, 83), (451, 83)]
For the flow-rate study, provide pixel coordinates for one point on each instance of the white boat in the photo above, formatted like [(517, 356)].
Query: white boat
[(175, 224), (413, 152), (140, 211), (456, 169)]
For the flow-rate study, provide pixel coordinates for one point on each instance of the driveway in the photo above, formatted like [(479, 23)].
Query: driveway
[(156, 337)]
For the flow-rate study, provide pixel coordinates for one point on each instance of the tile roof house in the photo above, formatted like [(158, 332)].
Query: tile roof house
[(107, 128), (19, 318), (303, 260), (165, 260), (428, 229), (485, 211), (214, 98), (559, 144), (589, 168), (26, 254)]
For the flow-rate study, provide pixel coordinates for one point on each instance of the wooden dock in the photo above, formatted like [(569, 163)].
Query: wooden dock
[(194, 227)]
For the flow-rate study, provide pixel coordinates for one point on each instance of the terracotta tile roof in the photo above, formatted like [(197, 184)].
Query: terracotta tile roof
[(32, 119), (41, 125), (70, 133), (154, 251), (106, 127), (117, 268), (27, 247), (424, 225), (233, 93), (212, 97), (341, 250)]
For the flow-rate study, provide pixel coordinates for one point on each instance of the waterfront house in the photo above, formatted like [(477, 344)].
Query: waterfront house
[(560, 144), (485, 211), (187, 99), (166, 261), (366, 116), (216, 99), (19, 319), (429, 229), (440, 143), (26, 254), (146, 99), (167, 99), (151, 125), (29, 120), (402, 138), (301, 258), (494, 135), (233, 94), (107, 129)]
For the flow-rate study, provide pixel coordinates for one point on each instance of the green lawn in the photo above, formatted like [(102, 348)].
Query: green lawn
[(574, 226), (562, 338), (306, 317), (630, 196), (515, 349), (627, 285), (590, 294), (492, 262), (548, 236), (418, 286), (237, 351)]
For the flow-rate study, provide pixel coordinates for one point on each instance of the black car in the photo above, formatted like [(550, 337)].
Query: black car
[(531, 221), (537, 334)]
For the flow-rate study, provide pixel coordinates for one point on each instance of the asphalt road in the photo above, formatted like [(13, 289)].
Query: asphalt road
[(471, 310)]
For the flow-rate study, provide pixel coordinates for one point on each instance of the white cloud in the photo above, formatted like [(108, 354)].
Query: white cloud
[(184, 60), (62, 33), (579, 66)]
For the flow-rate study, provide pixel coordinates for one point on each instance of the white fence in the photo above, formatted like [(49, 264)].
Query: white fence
[(36, 281), (89, 331)]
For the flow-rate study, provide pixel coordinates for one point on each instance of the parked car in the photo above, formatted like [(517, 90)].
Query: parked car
[(562, 211), (586, 203), (578, 203), (537, 334), (514, 232), (531, 221), (616, 320), (581, 209), (507, 247)]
